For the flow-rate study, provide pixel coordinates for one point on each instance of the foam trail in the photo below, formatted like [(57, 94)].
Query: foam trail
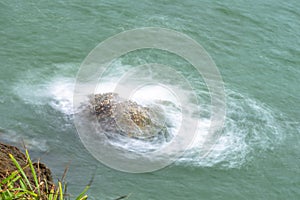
[(249, 127)]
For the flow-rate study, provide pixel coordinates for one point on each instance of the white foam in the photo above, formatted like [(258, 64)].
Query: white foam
[(58, 93), (150, 93), (249, 127), (61, 91)]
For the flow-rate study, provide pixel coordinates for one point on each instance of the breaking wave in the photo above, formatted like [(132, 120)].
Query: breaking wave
[(250, 126)]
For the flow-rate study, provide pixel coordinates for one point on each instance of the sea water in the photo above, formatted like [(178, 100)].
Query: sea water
[(255, 46)]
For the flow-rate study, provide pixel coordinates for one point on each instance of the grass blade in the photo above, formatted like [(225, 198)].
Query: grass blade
[(11, 183), (46, 185), (33, 172), (82, 194), (25, 191), (60, 190), (84, 197), (22, 184), (56, 195), (51, 195), (20, 170), (9, 178)]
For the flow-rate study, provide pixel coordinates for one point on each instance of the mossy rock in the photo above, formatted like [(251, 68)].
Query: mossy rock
[(124, 117)]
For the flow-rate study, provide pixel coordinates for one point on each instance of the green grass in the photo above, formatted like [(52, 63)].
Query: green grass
[(17, 186)]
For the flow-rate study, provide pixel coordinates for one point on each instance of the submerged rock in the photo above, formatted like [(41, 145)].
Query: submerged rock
[(124, 117)]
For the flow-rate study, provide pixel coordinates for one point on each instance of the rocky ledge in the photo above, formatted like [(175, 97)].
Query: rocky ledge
[(116, 115), (7, 166)]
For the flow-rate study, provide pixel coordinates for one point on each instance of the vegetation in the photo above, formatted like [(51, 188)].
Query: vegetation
[(17, 185)]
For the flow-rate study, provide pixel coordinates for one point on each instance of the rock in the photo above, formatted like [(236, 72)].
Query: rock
[(7, 166), (119, 116)]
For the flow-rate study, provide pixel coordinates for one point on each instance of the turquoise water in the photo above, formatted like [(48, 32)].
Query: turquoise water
[(256, 46)]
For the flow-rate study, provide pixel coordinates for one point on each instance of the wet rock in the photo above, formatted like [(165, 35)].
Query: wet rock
[(119, 116)]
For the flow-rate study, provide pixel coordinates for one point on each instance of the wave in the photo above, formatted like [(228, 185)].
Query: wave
[(250, 126)]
